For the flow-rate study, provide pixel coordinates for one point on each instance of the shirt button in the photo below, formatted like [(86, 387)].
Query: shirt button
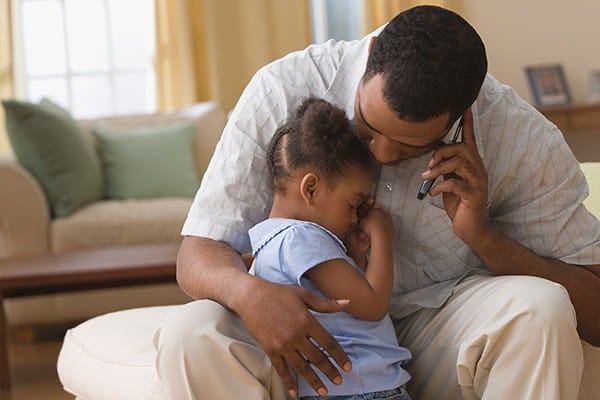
[(387, 187)]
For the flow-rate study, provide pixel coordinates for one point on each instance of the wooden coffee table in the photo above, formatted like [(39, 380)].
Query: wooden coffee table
[(81, 270)]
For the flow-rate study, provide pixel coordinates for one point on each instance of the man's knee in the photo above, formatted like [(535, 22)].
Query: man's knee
[(533, 328), (202, 342), (192, 328), (542, 303)]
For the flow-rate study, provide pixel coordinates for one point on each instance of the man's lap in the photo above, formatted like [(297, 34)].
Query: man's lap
[(458, 343)]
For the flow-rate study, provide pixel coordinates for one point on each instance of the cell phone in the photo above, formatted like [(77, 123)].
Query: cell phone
[(428, 183)]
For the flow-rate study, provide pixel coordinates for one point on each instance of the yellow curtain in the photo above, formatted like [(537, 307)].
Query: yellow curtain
[(174, 60), (6, 73), (378, 12), (209, 49)]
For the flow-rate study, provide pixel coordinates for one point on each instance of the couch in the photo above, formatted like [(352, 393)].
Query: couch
[(28, 227), (92, 354)]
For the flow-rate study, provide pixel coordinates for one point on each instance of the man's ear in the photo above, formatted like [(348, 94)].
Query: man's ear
[(308, 187), (371, 43)]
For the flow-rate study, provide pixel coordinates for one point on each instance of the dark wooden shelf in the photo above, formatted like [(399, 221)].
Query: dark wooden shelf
[(577, 117)]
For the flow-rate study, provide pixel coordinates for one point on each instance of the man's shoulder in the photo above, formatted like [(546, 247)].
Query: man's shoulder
[(500, 106), (509, 128), (499, 97), (323, 59), (330, 49)]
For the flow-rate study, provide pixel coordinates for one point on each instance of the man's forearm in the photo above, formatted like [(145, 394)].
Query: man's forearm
[(208, 269), (505, 256)]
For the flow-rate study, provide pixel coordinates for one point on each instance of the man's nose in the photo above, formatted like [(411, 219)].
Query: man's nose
[(383, 149)]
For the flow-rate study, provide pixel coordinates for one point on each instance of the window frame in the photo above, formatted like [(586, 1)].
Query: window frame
[(21, 77)]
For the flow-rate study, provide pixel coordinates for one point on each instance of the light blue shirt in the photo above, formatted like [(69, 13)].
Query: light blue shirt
[(284, 250)]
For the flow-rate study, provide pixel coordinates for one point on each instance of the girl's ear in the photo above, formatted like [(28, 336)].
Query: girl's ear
[(308, 187)]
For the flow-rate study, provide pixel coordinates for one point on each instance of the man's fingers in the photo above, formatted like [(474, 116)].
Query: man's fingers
[(330, 346), (454, 166), (282, 369), (323, 338), (303, 368), (468, 133), (320, 360), (321, 304)]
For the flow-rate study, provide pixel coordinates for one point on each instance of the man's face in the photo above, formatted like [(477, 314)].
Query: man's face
[(389, 138)]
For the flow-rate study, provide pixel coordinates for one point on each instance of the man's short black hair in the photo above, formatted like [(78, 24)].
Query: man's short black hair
[(432, 62)]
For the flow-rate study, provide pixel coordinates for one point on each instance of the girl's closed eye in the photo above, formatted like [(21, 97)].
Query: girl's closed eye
[(358, 207), (364, 207)]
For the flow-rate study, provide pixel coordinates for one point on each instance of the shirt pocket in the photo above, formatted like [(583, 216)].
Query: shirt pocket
[(438, 250)]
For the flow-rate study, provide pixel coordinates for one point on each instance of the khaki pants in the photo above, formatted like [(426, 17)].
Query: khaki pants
[(511, 337)]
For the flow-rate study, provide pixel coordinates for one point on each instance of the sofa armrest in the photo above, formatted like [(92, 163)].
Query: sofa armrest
[(24, 213)]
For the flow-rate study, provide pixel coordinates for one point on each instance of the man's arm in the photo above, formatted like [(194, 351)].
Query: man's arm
[(465, 200), (212, 270)]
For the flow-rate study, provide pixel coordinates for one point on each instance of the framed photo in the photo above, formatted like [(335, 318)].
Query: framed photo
[(548, 85)]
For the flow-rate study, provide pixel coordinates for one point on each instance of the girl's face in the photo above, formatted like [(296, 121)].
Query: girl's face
[(337, 206)]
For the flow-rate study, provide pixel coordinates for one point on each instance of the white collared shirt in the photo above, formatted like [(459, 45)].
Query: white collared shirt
[(535, 192)]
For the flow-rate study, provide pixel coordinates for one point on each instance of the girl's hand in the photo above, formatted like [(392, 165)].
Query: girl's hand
[(357, 245), (377, 221)]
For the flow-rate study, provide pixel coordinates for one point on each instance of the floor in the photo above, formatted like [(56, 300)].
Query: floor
[(33, 371)]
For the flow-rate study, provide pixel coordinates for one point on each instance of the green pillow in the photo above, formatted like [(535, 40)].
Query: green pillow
[(52, 146), (148, 162)]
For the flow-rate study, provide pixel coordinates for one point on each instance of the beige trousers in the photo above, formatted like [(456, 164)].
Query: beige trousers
[(511, 337)]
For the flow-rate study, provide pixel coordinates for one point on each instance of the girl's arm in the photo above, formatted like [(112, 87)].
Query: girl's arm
[(370, 294)]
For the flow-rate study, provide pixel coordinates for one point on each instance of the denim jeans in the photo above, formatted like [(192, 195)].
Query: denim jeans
[(394, 394)]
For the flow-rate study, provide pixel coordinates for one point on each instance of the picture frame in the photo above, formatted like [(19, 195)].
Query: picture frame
[(549, 85)]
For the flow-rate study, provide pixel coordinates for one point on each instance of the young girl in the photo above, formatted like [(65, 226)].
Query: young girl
[(322, 176)]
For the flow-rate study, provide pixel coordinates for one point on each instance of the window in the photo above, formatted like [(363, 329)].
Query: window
[(336, 19), (94, 57)]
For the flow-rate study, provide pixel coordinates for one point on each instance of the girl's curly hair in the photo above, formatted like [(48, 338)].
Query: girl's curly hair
[(318, 137)]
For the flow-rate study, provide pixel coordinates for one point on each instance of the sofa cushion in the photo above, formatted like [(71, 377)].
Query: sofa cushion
[(208, 119), (125, 222), (148, 163), (97, 363), (52, 146)]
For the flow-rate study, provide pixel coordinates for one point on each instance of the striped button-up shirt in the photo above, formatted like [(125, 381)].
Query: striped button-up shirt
[(535, 185)]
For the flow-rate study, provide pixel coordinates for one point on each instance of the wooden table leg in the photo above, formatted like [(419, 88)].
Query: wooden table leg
[(4, 366)]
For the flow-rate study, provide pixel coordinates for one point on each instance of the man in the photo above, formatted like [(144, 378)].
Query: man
[(497, 271)]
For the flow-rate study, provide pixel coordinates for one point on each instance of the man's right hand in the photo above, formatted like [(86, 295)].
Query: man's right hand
[(277, 317)]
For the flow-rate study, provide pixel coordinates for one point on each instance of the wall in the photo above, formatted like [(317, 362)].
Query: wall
[(518, 33)]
